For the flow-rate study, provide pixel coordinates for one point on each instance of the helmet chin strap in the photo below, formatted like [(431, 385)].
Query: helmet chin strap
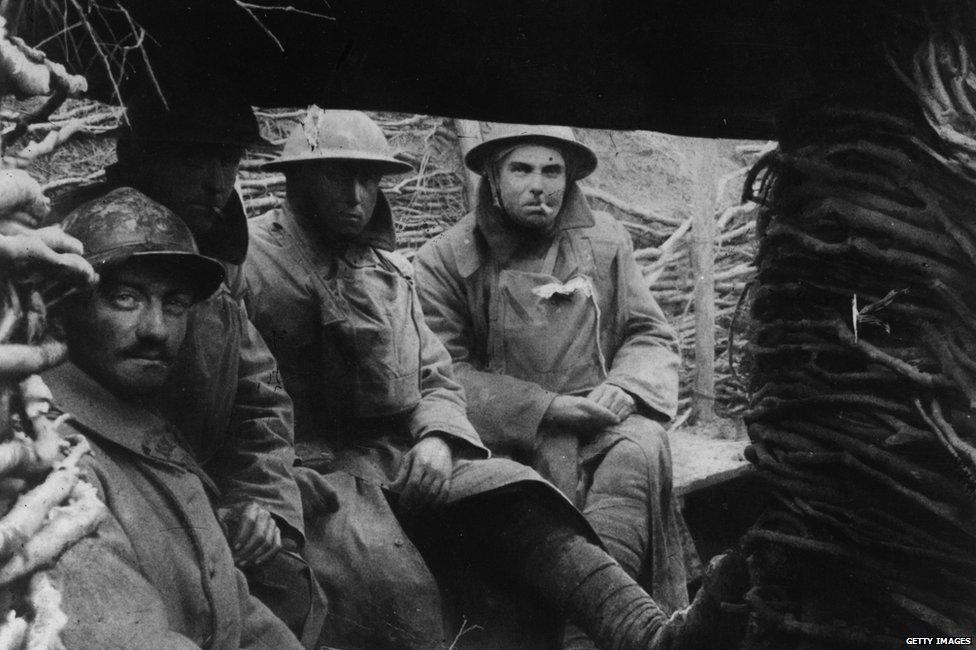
[(493, 180), (496, 197)]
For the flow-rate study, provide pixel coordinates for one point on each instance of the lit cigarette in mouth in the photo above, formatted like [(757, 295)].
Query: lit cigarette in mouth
[(546, 210)]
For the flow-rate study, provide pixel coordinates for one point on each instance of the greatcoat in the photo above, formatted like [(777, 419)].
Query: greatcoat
[(526, 318), (158, 573), (368, 379), (222, 393)]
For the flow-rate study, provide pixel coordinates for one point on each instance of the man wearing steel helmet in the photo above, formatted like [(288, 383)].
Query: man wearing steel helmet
[(158, 572), (566, 360), (380, 415), (222, 394)]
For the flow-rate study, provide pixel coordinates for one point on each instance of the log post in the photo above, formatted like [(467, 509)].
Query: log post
[(469, 135), (703, 265)]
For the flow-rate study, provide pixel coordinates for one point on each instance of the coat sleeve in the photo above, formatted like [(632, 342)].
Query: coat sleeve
[(442, 403), (646, 363), (255, 462), (506, 411), (109, 603)]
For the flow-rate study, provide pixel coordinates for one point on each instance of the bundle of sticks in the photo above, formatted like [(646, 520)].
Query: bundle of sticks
[(863, 394), (44, 507)]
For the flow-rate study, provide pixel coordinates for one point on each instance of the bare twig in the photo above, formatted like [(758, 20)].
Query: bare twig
[(644, 213), (250, 12), (51, 105), (282, 8), (140, 34), (465, 629)]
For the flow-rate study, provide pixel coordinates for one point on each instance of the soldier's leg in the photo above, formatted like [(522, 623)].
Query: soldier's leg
[(628, 500), (630, 504), (533, 537)]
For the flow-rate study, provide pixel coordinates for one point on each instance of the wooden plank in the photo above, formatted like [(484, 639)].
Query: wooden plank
[(699, 461), (715, 478), (703, 268), (469, 135)]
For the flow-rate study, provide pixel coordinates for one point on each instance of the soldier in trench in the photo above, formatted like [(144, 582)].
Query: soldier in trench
[(567, 362), (158, 572), (380, 415), (222, 394)]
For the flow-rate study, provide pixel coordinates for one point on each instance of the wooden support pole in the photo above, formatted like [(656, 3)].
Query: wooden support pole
[(469, 135), (703, 268)]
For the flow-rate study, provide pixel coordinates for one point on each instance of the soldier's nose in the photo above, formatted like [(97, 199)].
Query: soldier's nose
[(152, 325)]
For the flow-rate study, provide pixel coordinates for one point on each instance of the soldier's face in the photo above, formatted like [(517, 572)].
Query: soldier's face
[(193, 179), (128, 332), (531, 184), (337, 197)]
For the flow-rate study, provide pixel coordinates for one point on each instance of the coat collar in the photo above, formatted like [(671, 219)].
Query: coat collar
[(499, 241), (380, 232), (227, 241), (122, 423)]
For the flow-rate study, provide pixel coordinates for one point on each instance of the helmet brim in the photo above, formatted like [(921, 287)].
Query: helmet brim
[(386, 166), (477, 159), (257, 142), (204, 273)]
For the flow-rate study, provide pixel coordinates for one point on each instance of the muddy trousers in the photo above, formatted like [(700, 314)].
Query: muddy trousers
[(378, 564), (525, 537), (625, 491)]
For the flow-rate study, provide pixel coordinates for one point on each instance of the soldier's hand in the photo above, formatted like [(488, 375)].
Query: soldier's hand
[(252, 533), (579, 413), (424, 476), (614, 399), (44, 249), (725, 584), (726, 577)]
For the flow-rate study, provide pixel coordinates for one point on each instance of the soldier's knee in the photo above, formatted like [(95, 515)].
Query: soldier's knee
[(646, 438)]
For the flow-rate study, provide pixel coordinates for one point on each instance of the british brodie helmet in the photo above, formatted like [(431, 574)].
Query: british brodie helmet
[(338, 135), (505, 136)]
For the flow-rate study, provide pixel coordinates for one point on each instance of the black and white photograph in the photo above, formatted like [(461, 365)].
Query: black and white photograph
[(455, 325)]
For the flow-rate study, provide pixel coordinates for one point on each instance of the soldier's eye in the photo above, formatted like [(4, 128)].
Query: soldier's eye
[(368, 176), (178, 305), (123, 299)]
